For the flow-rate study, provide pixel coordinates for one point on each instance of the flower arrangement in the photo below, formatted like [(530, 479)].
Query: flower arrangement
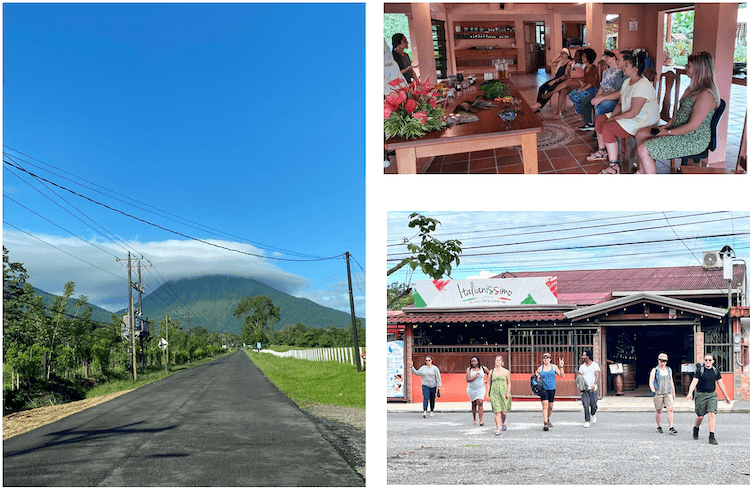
[(411, 110)]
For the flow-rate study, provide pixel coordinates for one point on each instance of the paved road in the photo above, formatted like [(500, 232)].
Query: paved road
[(621, 448), (220, 424)]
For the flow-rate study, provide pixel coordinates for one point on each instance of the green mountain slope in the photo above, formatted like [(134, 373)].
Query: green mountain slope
[(211, 301), (98, 314)]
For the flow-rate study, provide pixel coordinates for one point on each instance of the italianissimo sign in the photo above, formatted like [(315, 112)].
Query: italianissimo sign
[(484, 293)]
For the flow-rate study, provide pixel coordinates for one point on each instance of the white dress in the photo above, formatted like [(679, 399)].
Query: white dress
[(476, 389)]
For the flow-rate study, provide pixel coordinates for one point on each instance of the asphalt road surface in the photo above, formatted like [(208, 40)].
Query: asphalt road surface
[(621, 448), (220, 424)]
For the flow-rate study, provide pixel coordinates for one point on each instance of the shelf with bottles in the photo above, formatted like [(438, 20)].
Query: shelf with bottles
[(484, 30)]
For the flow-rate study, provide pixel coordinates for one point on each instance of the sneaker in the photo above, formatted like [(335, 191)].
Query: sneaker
[(549, 424), (659, 430), (695, 432), (672, 431), (424, 414), (587, 127), (432, 414), (586, 425), (545, 428), (712, 440), (593, 419)]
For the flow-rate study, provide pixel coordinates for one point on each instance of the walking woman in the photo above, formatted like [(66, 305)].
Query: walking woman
[(431, 384), (562, 73), (475, 376), (638, 108), (689, 131), (546, 373), (500, 394)]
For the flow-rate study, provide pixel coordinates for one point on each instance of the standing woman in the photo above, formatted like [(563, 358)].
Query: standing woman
[(430, 384), (562, 73), (500, 394), (638, 108), (475, 376), (547, 372), (689, 131), (403, 60)]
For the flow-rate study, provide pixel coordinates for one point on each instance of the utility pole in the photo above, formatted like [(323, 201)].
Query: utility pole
[(190, 356), (131, 309), (354, 319)]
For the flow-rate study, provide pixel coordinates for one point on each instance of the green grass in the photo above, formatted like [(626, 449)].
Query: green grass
[(310, 382), (284, 348)]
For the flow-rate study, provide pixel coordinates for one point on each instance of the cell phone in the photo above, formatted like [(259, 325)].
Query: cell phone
[(654, 131)]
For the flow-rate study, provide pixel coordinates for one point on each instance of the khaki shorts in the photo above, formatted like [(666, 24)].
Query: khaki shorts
[(705, 402), (663, 401)]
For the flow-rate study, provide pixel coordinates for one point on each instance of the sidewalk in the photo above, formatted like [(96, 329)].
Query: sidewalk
[(607, 404)]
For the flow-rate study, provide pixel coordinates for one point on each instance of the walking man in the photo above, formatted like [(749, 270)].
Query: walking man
[(430, 384), (704, 384), (661, 382), (590, 371)]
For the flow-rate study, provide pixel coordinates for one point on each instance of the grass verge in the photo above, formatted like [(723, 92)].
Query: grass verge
[(310, 382)]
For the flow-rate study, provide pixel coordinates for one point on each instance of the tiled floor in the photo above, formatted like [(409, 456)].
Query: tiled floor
[(572, 157)]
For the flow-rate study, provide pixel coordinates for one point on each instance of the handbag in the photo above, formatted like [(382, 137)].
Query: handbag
[(577, 72), (438, 393)]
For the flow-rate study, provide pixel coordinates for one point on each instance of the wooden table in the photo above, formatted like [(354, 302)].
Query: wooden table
[(489, 132)]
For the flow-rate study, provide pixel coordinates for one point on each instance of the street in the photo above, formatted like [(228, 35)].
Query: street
[(219, 424), (621, 448)]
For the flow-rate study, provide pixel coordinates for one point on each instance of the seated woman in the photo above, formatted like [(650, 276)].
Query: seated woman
[(571, 83), (562, 63), (591, 81), (637, 108), (605, 99), (403, 60), (689, 131)]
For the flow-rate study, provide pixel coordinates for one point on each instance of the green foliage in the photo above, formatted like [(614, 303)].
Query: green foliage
[(493, 89), (740, 54), (310, 382), (259, 315), (683, 22), (432, 256), (300, 336), (399, 296)]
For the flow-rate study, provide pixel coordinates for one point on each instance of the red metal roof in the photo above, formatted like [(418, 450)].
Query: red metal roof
[(464, 317), (636, 279)]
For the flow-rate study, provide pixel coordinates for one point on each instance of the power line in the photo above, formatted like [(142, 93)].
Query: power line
[(166, 229)]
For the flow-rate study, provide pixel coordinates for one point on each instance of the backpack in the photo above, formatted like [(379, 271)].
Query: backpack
[(536, 385)]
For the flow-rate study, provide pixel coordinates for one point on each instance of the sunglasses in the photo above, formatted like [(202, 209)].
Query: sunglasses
[(546, 357), (662, 360), (708, 360)]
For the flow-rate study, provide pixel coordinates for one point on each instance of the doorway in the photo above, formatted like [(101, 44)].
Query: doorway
[(638, 347), (534, 42)]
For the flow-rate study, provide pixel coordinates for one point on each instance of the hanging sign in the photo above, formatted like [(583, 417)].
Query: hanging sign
[(485, 293), (395, 369), (633, 24)]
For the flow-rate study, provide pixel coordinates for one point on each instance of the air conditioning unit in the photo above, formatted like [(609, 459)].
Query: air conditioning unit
[(712, 259)]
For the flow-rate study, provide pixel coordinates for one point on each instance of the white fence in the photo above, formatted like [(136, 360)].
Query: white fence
[(339, 354)]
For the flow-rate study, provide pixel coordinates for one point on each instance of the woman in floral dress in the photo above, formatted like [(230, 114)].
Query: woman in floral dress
[(689, 131), (500, 394)]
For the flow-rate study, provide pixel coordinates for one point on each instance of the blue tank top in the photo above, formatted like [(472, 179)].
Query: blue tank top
[(549, 378)]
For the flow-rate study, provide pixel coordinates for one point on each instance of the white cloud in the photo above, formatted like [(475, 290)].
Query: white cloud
[(104, 280)]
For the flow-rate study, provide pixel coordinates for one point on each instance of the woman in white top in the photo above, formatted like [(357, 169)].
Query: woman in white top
[(638, 108)]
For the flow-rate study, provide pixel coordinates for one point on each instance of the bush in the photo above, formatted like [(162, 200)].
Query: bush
[(740, 54)]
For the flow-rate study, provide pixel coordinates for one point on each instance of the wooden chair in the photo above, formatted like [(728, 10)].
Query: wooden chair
[(671, 80), (741, 161), (712, 143)]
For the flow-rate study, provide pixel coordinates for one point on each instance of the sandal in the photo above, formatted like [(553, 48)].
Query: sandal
[(481, 424), (599, 155), (611, 169), (505, 427), (475, 422), (497, 432)]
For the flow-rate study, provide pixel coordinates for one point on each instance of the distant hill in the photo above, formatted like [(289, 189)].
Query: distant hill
[(212, 300), (98, 314)]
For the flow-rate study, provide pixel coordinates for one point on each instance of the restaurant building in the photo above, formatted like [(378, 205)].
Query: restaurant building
[(448, 38), (625, 316)]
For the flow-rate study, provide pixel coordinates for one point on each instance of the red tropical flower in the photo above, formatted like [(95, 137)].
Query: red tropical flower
[(395, 82), (421, 115), (432, 102), (395, 99), (387, 111), (410, 106)]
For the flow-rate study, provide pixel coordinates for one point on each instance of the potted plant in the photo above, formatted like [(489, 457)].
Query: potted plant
[(670, 50)]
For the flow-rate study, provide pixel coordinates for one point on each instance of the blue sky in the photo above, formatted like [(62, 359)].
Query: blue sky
[(237, 117), (495, 242)]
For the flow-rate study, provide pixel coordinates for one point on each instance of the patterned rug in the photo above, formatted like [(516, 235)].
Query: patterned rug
[(554, 135)]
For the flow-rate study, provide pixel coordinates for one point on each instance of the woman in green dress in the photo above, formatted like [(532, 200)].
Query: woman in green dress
[(689, 131), (500, 394)]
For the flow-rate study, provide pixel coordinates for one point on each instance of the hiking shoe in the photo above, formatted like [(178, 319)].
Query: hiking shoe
[(593, 419), (712, 440), (672, 431), (586, 425), (587, 127), (424, 414), (695, 432), (659, 430), (432, 414), (545, 428)]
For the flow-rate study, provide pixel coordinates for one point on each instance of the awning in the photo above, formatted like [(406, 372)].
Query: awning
[(466, 317)]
